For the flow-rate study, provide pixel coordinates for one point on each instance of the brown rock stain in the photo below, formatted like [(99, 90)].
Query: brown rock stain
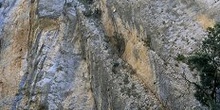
[(135, 53), (205, 21), (22, 22), (47, 23), (106, 19), (13, 55)]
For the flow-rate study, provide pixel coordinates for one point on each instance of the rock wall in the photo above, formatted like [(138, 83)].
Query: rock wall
[(100, 54)]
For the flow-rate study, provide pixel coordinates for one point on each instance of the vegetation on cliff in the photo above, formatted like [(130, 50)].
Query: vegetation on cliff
[(207, 62)]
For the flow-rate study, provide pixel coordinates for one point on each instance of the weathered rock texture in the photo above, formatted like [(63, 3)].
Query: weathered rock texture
[(100, 54)]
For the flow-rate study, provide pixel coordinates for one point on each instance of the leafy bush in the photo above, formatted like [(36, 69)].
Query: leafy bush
[(180, 57), (207, 62)]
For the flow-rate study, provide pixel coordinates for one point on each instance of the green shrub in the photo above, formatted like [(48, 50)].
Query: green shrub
[(180, 57), (207, 62)]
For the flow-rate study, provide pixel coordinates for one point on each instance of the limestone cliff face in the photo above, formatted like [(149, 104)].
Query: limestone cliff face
[(100, 54)]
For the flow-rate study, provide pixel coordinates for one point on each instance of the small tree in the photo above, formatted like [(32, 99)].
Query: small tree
[(207, 62)]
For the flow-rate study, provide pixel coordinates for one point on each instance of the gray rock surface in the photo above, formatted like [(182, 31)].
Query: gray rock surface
[(100, 54), (50, 8)]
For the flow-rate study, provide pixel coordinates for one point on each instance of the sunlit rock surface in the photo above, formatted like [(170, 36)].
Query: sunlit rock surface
[(100, 54)]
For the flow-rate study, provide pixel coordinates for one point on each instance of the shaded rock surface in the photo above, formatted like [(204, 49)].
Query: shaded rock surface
[(100, 54)]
